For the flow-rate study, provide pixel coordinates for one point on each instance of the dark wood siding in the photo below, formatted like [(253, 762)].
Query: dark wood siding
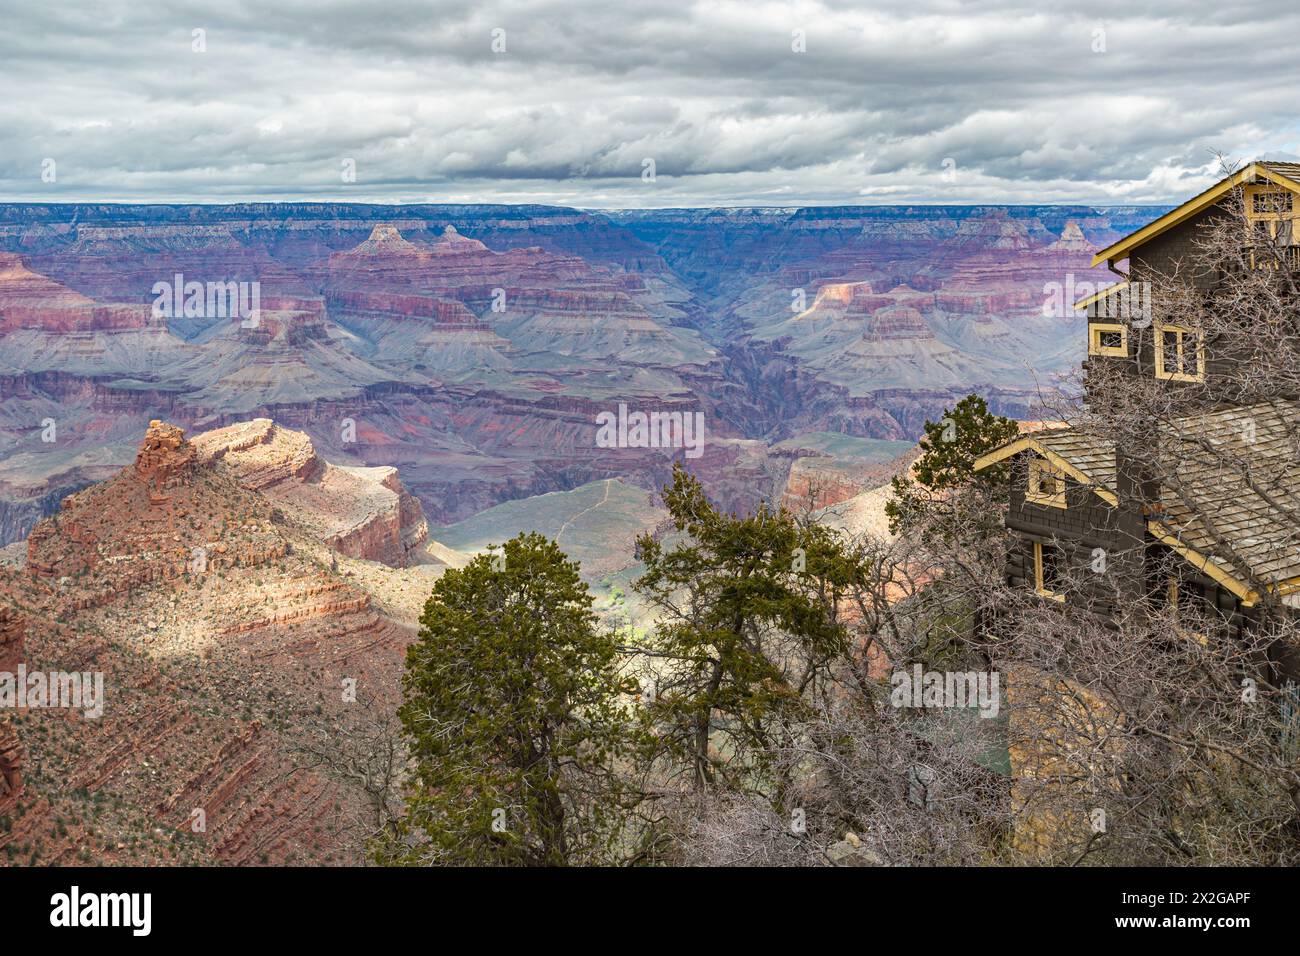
[(1177, 247), (1161, 256), (1087, 523)]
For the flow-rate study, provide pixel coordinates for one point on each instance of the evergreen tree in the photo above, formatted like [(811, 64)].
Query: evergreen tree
[(949, 450), (747, 626), (521, 746)]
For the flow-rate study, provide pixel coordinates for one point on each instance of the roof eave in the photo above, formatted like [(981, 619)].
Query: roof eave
[(1120, 250), (1030, 442)]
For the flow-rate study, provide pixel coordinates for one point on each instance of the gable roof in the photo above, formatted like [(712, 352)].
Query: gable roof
[(1286, 175), (1088, 460), (1106, 293), (1236, 487)]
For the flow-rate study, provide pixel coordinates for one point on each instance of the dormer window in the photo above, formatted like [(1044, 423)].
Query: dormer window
[(1180, 354), (1108, 338), (1271, 212), (1046, 484)]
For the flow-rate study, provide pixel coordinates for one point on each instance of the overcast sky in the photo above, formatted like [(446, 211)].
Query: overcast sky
[(904, 101)]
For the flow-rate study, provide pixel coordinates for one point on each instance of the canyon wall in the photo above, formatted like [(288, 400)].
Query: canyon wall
[(474, 346), (235, 631), (13, 630)]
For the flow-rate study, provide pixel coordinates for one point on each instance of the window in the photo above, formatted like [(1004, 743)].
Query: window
[(1180, 356), (1046, 484), (1108, 338), (1271, 212), (1268, 232), (1047, 571), (1271, 202)]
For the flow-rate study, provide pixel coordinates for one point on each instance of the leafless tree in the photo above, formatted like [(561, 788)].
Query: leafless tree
[(365, 751), (1163, 731)]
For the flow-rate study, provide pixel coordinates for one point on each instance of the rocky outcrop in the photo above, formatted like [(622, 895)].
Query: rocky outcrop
[(1072, 240), (452, 242), (258, 453), (831, 468), (401, 305), (13, 630), (165, 458), (157, 520), (896, 322), (984, 301), (360, 512), (235, 641), (31, 301), (996, 231), (385, 240)]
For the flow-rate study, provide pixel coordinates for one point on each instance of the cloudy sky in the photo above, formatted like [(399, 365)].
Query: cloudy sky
[(576, 102)]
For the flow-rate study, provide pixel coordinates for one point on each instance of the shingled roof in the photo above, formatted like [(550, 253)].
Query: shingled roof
[(1289, 170), (1231, 501), (1087, 459), (1239, 471)]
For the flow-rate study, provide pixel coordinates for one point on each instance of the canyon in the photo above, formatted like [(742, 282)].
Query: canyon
[(472, 347), (248, 604), (239, 444)]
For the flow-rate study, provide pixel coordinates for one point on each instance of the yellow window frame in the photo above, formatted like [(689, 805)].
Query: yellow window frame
[(1095, 347), (1273, 218), (1039, 588), (1174, 599), (1184, 335), (1042, 471)]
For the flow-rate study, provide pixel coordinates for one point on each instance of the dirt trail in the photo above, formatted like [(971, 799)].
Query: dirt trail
[(565, 527)]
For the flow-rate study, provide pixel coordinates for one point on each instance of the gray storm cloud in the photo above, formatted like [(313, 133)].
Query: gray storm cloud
[(930, 101)]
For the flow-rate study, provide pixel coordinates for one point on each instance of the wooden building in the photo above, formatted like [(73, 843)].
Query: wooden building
[(1092, 528)]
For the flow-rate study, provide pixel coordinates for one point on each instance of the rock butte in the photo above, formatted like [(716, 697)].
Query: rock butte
[(217, 584), (360, 512), (474, 345)]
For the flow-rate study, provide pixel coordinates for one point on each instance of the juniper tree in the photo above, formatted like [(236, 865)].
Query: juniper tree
[(946, 466), (948, 518), (747, 626), (521, 741)]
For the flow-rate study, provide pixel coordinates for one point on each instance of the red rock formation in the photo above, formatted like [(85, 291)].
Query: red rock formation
[(443, 313), (896, 322), (269, 632), (259, 453), (13, 628), (984, 301), (361, 512), (1072, 240), (29, 300), (147, 524), (165, 457)]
